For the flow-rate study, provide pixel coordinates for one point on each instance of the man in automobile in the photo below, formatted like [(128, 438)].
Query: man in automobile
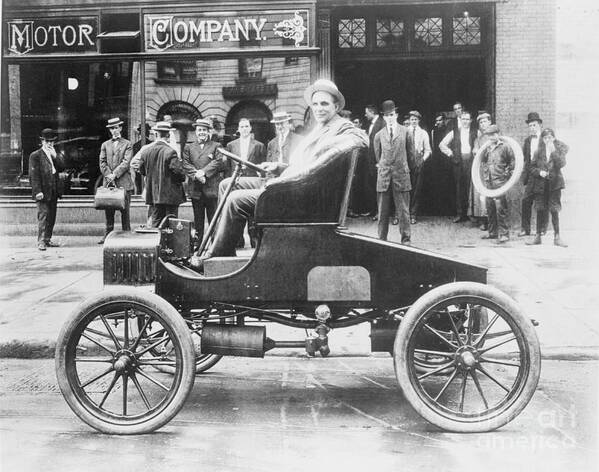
[(204, 171), (44, 166), (330, 132), (115, 158), (164, 176)]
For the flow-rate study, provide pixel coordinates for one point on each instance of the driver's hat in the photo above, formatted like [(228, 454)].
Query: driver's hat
[(162, 126), (324, 85)]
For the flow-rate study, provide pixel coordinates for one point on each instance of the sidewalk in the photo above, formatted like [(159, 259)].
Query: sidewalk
[(555, 286)]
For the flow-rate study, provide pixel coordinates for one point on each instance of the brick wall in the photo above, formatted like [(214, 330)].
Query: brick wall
[(525, 63), (525, 77)]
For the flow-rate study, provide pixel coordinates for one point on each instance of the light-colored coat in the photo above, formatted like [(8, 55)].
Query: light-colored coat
[(394, 159), (116, 160)]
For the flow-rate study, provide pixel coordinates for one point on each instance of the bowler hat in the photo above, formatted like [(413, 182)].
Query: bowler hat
[(162, 126), (48, 134), (388, 106), (533, 116), (280, 117), (416, 114), (112, 122), (324, 85), (202, 123), (492, 129)]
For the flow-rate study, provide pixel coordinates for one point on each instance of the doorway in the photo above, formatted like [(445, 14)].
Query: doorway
[(426, 85)]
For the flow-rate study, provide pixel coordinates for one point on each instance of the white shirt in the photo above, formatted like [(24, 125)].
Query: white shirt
[(282, 138), (422, 142), (534, 145), (465, 141), (371, 125), (244, 147)]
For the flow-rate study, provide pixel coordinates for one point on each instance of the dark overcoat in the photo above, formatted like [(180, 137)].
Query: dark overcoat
[(553, 165), (256, 153), (164, 175), (41, 177)]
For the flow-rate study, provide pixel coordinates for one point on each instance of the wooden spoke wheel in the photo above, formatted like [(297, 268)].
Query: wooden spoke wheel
[(485, 371), (106, 357)]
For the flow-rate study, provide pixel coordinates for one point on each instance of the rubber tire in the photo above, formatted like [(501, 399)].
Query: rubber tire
[(402, 371), (169, 316), (515, 177)]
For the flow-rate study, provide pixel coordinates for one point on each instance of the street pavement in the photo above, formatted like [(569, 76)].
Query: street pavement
[(296, 414), (555, 286)]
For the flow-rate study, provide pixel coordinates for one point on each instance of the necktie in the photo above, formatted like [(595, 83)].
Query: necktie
[(391, 133)]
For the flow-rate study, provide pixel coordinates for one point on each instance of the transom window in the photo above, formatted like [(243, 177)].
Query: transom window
[(352, 33), (389, 32), (428, 31), (466, 30)]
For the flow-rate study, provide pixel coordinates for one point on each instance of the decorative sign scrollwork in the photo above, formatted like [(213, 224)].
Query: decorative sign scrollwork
[(291, 29)]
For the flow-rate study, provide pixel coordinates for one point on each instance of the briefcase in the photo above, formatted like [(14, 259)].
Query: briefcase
[(110, 198)]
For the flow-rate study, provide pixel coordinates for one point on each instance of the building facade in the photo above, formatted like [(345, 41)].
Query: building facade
[(72, 65)]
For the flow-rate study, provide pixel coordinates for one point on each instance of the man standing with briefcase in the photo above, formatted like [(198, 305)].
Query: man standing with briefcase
[(115, 156)]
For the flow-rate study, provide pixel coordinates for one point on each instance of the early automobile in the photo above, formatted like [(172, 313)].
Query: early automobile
[(466, 357)]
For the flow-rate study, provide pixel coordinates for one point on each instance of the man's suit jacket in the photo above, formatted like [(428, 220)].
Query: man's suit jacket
[(552, 164), (41, 177), (115, 160), (197, 158), (527, 179), (379, 124), (273, 151), (164, 174), (256, 153), (394, 159)]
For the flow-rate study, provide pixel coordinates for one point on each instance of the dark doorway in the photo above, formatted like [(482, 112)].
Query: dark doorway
[(259, 116), (426, 85)]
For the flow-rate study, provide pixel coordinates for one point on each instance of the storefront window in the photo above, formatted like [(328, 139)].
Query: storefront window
[(429, 31), (466, 30), (75, 99)]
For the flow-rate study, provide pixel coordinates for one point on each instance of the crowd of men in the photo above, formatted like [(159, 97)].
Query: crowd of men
[(387, 184)]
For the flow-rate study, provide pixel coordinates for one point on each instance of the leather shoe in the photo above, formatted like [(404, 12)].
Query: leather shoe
[(41, 246), (503, 239), (52, 244), (460, 219), (412, 221), (535, 241), (101, 241), (523, 233), (395, 221), (375, 217), (557, 241), (488, 236)]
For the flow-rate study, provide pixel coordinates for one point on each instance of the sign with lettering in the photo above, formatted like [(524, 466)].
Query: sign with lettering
[(50, 35), (202, 31)]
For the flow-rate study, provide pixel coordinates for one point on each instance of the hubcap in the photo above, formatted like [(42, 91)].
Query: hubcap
[(466, 357), (124, 362)]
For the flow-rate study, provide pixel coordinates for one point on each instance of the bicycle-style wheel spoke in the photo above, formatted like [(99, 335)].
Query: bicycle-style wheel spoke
[(436, 371), (94, 359), (152, 346), (480, 340), (125, 382), (449, 380), (485, 372), (454, 329), (97, 377), (109, 389), (97, 343), (141, 392), (152, 379), (111, 332), (463, 391), (501, 343), (495, 361), (126, 330), (441, 337), (434, 353), (479, 388), (141, 333)]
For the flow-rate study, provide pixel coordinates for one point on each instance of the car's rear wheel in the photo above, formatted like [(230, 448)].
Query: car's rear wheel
[(482, 377)]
